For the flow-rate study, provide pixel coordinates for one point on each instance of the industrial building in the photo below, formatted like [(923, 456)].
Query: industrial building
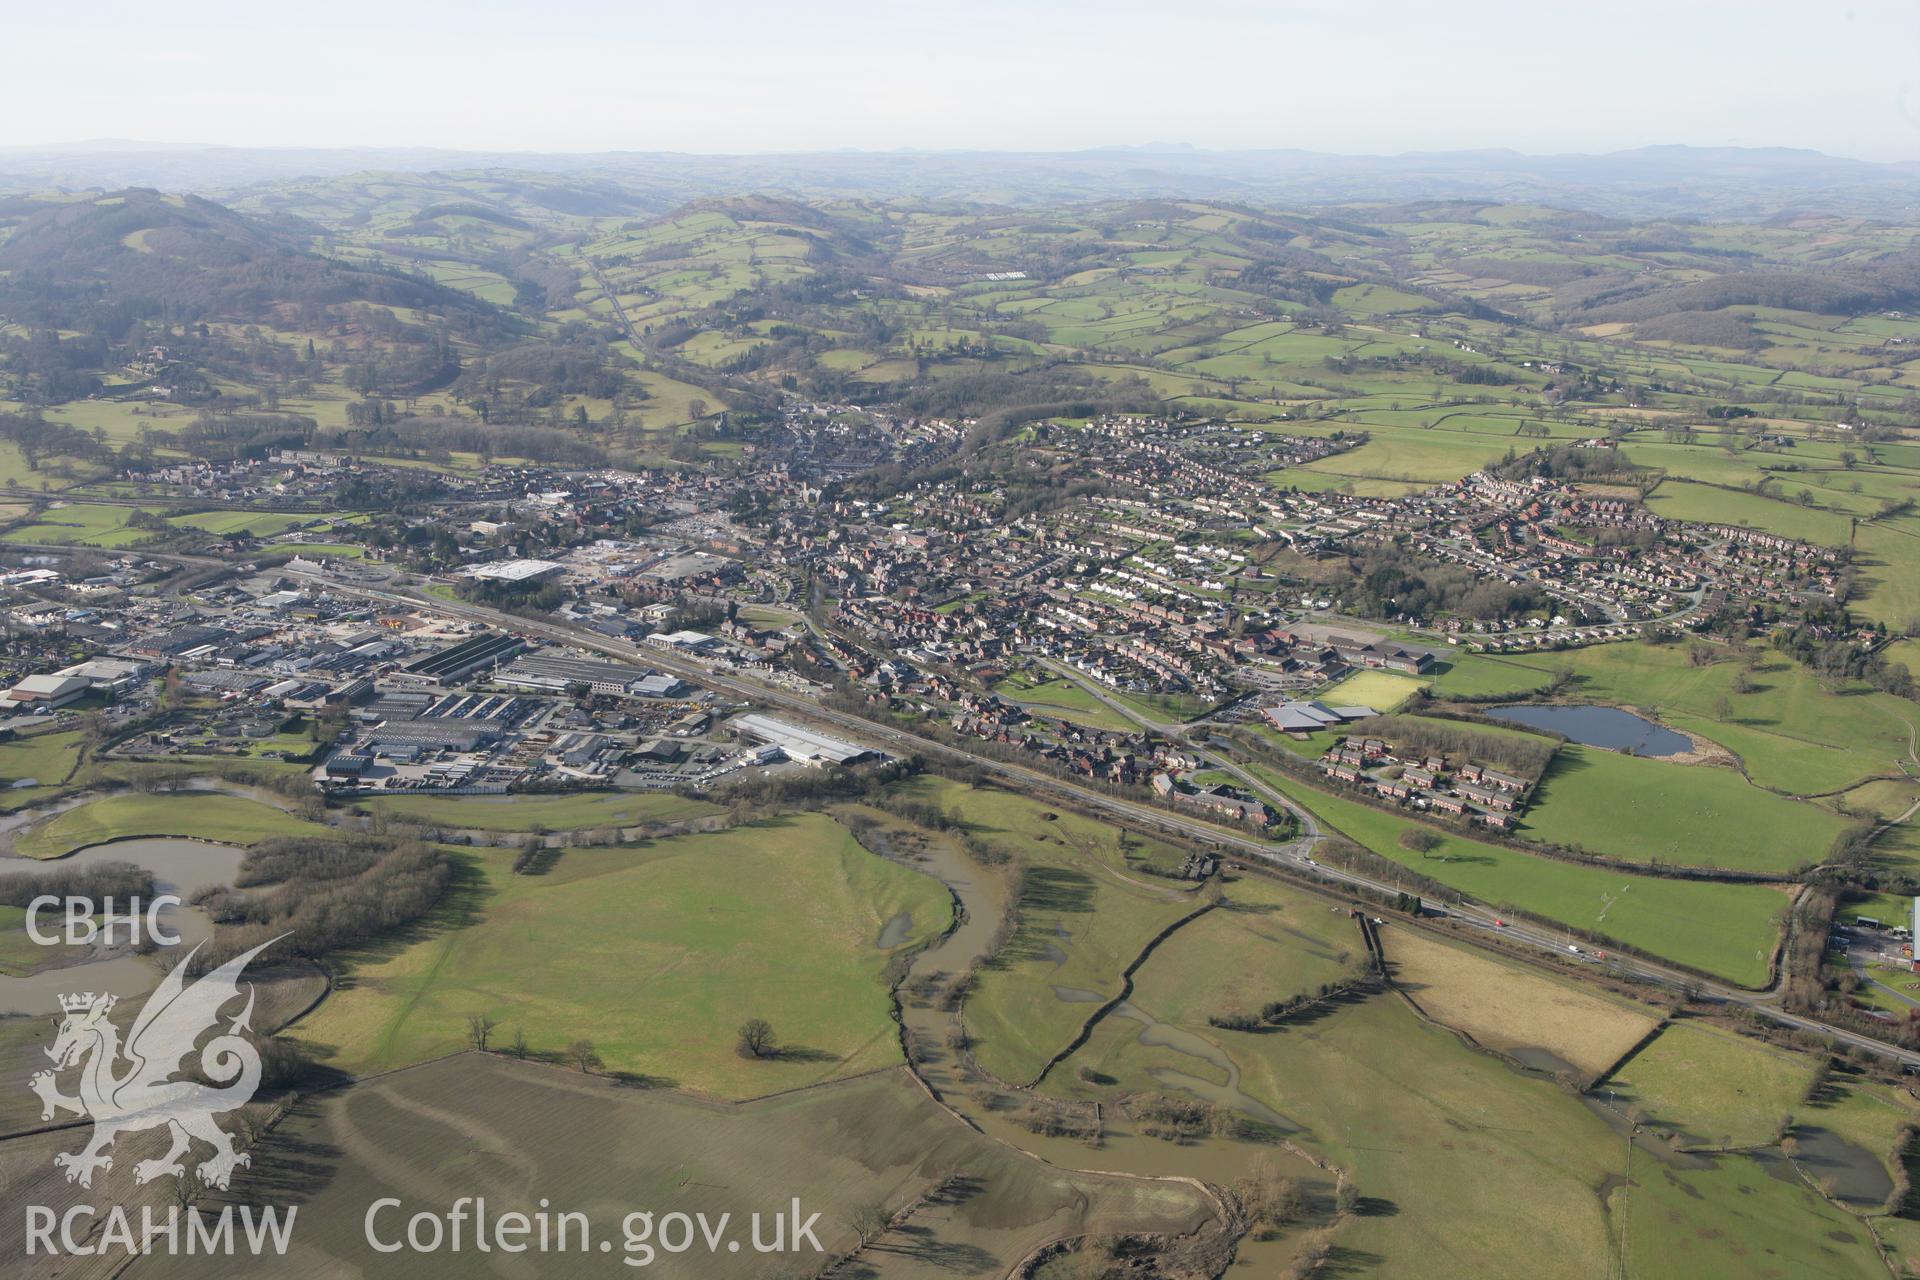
[(45, 692), (555, 674), (451, 666), (433, 735), (517, 570), (800, 743)]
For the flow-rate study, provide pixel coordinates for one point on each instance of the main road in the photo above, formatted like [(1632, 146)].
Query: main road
[(1293, 860)]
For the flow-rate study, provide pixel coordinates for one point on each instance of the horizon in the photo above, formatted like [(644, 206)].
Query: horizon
[(762, 79), (103, 145)]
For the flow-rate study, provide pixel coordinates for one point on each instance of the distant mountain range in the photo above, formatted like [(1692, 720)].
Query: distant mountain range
[(1663, 181)]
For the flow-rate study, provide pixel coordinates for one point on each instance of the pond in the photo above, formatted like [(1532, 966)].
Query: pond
[(1608, 727)]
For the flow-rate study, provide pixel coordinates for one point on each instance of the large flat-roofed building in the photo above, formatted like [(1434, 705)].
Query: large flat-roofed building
[(50, 692), (517, 570), (555, 673), (451, 666), (1306, 717), (221, 681), (690, 641), (115, 675), (800, 743), (661, 685), (418, 735)]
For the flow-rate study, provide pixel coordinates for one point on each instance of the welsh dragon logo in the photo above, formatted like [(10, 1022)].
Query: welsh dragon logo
[(128, 1088)]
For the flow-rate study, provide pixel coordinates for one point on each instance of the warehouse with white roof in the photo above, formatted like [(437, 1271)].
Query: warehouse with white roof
[(807, 746)]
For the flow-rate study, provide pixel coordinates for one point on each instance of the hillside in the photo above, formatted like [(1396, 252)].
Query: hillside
[(513, 300), (1646, 182), (177, 298)]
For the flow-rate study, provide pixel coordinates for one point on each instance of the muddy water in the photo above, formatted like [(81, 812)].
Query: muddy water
[(179, 867), (21, 819), (895, 931), (1860, 1177), (1541, 1061)]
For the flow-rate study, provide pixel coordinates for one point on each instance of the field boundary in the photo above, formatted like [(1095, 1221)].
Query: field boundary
[(1126, 991)]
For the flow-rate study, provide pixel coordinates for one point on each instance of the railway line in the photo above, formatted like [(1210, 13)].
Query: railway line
[(1293, 861)]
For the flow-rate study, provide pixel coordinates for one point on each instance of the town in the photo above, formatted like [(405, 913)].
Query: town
[(1174, 584)]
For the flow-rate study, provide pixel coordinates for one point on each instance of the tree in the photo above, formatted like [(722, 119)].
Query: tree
[(480, 1030), (1420, 840), (1722, 708), (868, 1221), (1270, 1199), (518, 1048), (756, 1038), (583, 1055)]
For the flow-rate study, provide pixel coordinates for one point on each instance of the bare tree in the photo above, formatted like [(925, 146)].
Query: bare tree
[(756, 1038), (480, 1030), (583, 1055), (869, 1220)]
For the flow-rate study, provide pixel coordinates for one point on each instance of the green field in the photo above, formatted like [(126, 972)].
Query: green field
[(1887, 908), (1421, 1123), (1790, 733), (85, 524), (554, 813), (1475, 675), (44, 760), (220, 818), (260, 524), (1298, 942), (1722, 929), (20, 955), (1083, 918), (1712, 1087), (342, 550), (1432, 1131), (657, 955), (1382, 690), (1678, 500), (1889, 559), (1642, 810), (1735, 1218), (1062, 697)]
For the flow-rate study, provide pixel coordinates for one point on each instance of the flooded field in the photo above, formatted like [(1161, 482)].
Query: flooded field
[(179, 867)]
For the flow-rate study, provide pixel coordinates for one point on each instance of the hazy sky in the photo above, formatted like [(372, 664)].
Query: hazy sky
[(784, 75)]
